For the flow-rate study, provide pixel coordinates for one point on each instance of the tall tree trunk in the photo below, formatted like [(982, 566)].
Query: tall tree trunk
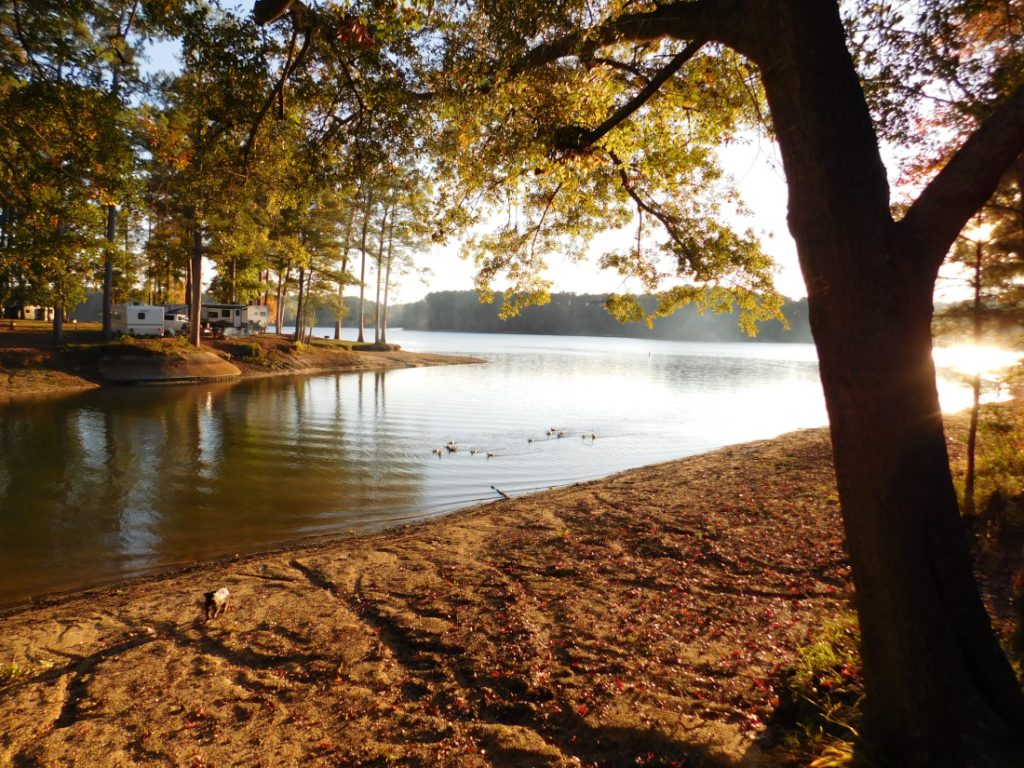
[(58, 324), (380, 264), (311, 320), (195, 308), (362, 268), (940, 692), (344, 270), (282, 281), (300, 306), (387, 282), (108, 271)]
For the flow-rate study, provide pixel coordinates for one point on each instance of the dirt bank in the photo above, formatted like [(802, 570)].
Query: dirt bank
[(639, 620), (31, 366)]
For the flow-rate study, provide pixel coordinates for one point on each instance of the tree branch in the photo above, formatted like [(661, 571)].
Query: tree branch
[(967, 181), (669, 222), (586, 138), (704, 19)]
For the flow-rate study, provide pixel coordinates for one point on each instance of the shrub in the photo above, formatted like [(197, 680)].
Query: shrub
[(245, 349)]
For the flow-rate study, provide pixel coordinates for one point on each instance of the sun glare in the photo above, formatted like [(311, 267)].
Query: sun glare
[(975, 361)]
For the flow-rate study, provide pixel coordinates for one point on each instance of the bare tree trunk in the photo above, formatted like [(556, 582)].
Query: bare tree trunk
[(282, 281), (367, 205), (195, 309), (344, 270), (299, 306), (380, 260), (387, 281), (58, 324), (108, 271)]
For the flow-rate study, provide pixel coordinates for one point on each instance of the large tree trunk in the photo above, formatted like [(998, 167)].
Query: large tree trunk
[(940, 690)]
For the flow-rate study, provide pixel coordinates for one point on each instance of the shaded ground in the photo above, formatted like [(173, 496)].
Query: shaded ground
[(639, 620)]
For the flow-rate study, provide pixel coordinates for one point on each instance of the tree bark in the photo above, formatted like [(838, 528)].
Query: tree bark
[(344, 269), (387, 282), (299, 306), (108, 271), (282, 281), (195, 308), (58, 326), (940, 690), (362, 268), (380, 259)]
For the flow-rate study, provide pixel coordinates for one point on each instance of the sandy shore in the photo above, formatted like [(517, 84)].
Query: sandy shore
[(643, 619)]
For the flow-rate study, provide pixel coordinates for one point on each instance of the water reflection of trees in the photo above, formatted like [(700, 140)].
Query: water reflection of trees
[(117, 481)]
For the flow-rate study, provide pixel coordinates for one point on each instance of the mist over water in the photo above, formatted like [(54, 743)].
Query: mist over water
[(122, 481)]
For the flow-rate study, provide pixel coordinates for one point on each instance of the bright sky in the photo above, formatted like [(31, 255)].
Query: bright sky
[(757, 171)]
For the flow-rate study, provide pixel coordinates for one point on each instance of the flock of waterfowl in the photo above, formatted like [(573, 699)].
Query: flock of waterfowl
[(452, 446)]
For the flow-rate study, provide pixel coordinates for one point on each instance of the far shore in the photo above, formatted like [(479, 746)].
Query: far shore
[(32, 367), (650, 618)]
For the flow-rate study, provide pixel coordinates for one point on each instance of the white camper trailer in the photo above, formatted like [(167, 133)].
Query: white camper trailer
[(175, 323), (137, 319), (236, 319), (256, 317)]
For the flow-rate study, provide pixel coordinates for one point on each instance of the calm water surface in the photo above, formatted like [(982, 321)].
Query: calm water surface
[(118, 482)]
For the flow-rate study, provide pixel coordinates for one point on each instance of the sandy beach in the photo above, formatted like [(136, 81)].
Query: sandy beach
[(644, 619)]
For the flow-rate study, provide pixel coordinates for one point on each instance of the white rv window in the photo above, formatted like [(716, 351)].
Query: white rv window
[(142, 315), (225, 313)]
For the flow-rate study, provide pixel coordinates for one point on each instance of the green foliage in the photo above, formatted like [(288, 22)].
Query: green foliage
[(601, 315), (250, 350), (1000, 467), (823, 696), (523, 153)]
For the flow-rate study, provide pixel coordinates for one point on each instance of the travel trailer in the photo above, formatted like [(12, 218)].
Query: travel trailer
[(175, 323), (236, 319), (137, 319)]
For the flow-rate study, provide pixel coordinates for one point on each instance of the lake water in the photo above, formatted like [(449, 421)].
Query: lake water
[(122, 481)]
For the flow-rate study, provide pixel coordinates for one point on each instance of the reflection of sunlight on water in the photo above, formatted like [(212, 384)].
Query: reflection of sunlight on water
[(956, 365)]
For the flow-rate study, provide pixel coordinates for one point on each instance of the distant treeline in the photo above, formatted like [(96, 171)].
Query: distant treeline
[(570, 314)]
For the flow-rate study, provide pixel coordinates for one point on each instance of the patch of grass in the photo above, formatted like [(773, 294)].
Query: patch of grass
[(12, 672), (820, 705), (1000, 461), (176, 346), (334, 344), (249, 350)]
